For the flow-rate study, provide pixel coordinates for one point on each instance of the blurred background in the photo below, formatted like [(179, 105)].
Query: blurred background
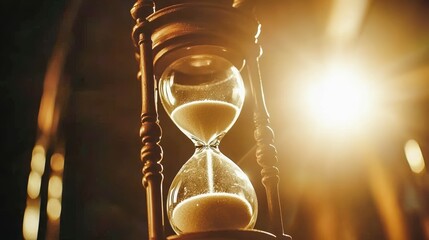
[(347, 87)]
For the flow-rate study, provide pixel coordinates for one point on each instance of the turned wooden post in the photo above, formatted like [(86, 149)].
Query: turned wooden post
[(150, 131), (266, 153)]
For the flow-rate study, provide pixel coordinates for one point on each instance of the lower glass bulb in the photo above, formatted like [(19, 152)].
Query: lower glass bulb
[(211, 193)]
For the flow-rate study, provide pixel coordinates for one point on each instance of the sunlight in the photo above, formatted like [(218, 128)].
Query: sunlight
[(340, 99)]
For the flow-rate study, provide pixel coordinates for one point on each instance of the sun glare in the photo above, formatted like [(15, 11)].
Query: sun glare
[(340, 98)]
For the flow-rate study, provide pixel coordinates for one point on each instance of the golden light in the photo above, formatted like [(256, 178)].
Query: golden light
[(414, 156), (340, 99), (385, 194), (31, 223), (53, 209), (57, 162), (38, 160), (34, 183), (55, 187), (38, 149), (345, 19)]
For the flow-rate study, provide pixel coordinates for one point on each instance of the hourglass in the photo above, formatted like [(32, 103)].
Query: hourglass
[(203, 94), (195, 50)]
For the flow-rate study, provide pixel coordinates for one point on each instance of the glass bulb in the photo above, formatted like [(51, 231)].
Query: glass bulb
[(204, 94), (209, 193)]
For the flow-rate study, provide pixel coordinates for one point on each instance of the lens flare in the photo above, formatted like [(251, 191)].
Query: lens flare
[(38, 160), (53, 209), (414, 156), (30, 225), (55, 187), (57, 162), (34, 183)]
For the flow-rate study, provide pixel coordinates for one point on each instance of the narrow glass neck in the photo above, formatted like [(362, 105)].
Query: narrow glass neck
[(212, 144), (201, 148)]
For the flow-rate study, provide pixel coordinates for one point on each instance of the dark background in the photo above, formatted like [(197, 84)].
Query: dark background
[(103, 197)]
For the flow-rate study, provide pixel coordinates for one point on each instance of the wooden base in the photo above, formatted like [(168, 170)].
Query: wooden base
[(229, 235)]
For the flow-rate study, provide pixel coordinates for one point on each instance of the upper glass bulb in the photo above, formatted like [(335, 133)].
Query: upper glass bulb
[(203, 94)]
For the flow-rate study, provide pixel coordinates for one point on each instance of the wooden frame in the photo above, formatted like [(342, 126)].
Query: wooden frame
[(169, 33)]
